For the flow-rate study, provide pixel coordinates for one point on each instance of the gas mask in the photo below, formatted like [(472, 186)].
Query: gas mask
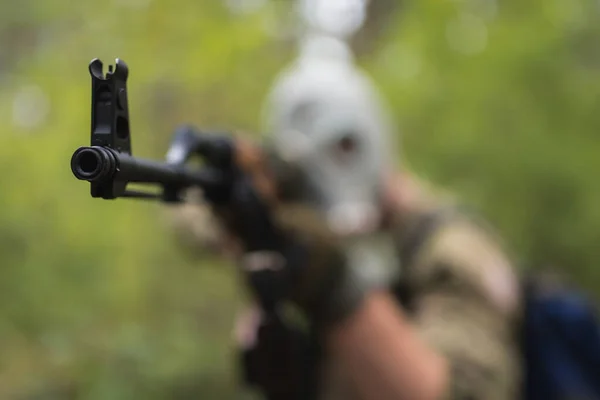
[(325, 117)]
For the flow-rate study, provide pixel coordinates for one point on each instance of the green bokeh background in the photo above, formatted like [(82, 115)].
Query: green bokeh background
[(500, 105)]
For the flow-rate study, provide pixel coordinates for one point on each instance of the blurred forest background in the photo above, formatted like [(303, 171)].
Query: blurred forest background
[(498, 101)]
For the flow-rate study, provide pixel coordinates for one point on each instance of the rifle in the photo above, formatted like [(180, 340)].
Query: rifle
[(109, 166), (108, 163), (225, 178)]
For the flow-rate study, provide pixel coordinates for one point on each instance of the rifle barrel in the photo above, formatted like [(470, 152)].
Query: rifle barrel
[(98, 164)]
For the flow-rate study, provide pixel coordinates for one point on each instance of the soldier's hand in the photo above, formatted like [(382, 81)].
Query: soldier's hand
[(285, 250)]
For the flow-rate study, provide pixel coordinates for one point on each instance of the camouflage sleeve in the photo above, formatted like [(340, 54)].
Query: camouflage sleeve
[(466, 307)]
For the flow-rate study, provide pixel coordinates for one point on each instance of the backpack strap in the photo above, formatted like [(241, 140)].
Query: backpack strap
[(560, 340)]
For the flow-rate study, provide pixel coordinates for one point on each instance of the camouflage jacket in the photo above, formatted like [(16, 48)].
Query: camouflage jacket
[(461, 292), (457, 284)]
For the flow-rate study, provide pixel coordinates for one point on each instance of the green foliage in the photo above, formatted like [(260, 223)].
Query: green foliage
[(98, 302), (513, 127)]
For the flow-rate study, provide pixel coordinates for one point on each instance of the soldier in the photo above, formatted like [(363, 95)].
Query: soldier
[(446, 324), (406, 296), (442, 326)]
